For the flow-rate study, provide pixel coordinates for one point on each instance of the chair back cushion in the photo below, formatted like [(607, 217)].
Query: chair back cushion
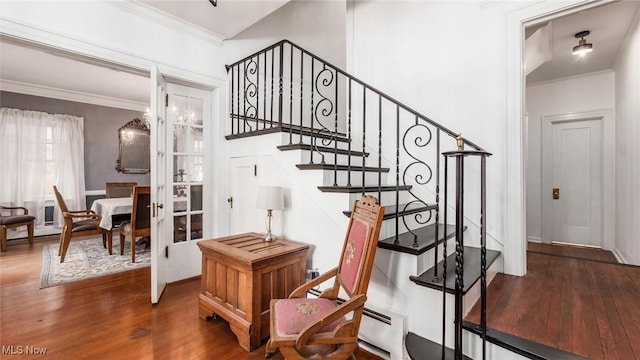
[(352, 258), (141, 215), (119, 189), (360, 245)]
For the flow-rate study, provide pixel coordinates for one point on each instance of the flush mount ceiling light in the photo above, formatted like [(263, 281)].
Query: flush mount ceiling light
[(583, 47)]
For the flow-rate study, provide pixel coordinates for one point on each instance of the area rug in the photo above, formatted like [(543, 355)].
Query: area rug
[(86, 258)]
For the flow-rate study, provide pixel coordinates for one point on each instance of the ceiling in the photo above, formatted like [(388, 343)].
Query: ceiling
[(608, 25), (226, 20), (23, 63)]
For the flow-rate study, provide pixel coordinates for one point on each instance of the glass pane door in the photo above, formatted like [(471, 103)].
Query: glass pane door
[(188, 167)]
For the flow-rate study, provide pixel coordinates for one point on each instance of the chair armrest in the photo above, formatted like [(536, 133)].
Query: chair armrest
[(81, 212), (25, 211), (81, 215), (335, 314), (302, 289)]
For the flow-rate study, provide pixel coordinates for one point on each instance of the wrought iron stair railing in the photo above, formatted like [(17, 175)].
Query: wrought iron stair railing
[(365, 140)]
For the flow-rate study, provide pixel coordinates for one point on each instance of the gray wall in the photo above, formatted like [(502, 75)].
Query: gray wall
[(101, 125)]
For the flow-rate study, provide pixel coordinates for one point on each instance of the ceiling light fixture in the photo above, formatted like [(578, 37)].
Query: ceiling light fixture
[(583, 47), (214, 2)]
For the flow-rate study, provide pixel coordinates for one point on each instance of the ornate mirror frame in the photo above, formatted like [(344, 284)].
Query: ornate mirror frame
[(133, 151)]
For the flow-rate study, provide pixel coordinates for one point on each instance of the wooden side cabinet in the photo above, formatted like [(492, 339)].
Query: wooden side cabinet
[(241, 274)]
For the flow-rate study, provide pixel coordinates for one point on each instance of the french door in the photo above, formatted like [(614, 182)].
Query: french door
[(187, 115), (158, 152), (181, 158)]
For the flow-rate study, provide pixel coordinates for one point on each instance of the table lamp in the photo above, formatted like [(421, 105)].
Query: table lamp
[(270, 198)]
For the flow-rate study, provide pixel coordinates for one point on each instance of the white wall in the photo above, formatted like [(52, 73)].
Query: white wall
[(317, 26), (580, 94), (627, 75), (447, 61), (121, 32)]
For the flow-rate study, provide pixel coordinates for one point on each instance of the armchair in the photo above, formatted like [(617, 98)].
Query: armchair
[(305, 328), (14, 221), (87, 224)]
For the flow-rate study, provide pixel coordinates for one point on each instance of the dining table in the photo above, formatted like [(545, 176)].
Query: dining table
[(111, 206)]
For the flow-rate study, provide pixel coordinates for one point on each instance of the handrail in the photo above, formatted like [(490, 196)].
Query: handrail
[(362, 83)]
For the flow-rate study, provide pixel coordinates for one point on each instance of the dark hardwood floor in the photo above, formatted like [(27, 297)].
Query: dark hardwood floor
[(575, 299), (572, 252), (110, 317)]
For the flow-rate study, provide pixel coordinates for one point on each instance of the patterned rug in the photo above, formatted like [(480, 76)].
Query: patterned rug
[(86, 258)]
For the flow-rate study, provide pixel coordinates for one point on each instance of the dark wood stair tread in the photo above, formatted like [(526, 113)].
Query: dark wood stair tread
[(522, 346), (426, 239), (420, 348), (471, 269), (341, 168), (356, 189), (390, 211), (275, 127), (327, 150)]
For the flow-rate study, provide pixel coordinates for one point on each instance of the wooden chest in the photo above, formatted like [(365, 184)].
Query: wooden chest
[(241, 274)]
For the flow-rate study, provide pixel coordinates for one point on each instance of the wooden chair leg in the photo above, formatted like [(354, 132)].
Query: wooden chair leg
[(3, 238), (65, 244), (30, 227), (64, 230), (133, 249), (121, 243), (109, 236)]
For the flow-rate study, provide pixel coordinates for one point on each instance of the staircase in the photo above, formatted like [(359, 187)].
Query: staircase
[(362, 141)]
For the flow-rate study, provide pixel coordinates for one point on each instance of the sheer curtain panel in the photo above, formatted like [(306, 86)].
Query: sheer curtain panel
[(40, 150)]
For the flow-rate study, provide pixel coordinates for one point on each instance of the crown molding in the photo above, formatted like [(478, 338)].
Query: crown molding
[(69, 95), (572, 77), (168, 20)]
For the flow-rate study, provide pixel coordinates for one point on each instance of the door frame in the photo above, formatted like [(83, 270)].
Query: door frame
[(607, 169), (108, 54), (514, 208)]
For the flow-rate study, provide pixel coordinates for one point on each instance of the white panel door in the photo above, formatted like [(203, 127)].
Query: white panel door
[(243, 215), (158, 152), (189, 159), (577, 174)]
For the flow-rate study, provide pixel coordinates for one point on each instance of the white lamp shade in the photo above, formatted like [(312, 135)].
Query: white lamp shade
[(270, 197)]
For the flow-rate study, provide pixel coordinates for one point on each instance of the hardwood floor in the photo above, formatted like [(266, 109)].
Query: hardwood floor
[(110, 317), (580, 304), (572, 251)]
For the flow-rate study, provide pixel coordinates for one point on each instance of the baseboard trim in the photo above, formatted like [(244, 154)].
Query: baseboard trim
[(534, 239), (619, 256)]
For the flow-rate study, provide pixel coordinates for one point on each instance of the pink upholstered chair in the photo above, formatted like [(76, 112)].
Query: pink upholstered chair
[(318, 328)]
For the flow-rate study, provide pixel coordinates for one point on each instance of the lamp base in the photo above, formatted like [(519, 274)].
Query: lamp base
[(269, 237)]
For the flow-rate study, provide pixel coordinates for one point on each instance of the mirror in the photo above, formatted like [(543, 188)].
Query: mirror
[(133, 154)]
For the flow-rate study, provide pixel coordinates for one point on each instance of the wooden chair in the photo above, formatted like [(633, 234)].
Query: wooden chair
[(140, 224), (119, 189), (318, 328), (86, 224), (13, 221)]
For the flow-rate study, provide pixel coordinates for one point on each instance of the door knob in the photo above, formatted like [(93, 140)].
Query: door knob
[(153, 208), (556, 193), (230, 201)]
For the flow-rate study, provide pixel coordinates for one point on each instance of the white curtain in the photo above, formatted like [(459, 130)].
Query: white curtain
[(40, 150)]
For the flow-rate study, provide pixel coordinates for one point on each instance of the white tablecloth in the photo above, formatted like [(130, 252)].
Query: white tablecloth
[(112, 206)]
